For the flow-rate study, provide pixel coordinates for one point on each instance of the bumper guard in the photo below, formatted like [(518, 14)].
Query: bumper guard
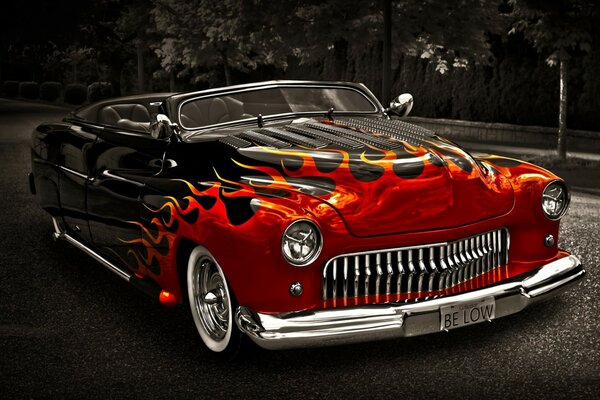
[(335, 326)]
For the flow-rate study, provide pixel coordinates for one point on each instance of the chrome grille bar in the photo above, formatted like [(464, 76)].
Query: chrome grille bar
[(390, 272), (367, 275), (356, 274), (417, 269), (345, 278), (335, 264)]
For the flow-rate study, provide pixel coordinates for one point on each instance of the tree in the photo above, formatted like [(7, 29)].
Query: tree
[(114, 29), (561, 29), (447, 33), (78, 58), (202, 38), (134, 27)]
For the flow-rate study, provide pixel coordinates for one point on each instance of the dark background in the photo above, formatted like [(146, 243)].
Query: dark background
[(480, 60)]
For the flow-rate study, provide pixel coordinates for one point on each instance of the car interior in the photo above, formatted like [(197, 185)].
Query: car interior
[(134, 112), (210, 111), (130, 113), (201, 112), (128, 116)]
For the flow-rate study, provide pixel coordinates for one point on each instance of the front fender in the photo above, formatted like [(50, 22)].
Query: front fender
[(243, 231), (528, 219)]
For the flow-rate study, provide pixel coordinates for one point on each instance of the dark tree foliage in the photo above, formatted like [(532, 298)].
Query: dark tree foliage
[(455, 57), (562, 30)]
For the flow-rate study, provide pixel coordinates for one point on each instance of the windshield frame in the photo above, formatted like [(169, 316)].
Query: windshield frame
[(215, 93)]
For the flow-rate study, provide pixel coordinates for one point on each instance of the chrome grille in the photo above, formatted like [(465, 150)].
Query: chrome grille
[(421, 269)]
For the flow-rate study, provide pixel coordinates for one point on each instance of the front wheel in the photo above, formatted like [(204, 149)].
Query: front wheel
[(212, 303)]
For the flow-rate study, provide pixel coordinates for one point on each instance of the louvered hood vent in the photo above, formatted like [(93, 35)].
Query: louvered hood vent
[(343, 133)]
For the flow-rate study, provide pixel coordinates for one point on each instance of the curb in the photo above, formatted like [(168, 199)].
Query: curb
[(586, 190)]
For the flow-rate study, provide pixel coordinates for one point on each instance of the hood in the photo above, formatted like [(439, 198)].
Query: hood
[(382, 176)]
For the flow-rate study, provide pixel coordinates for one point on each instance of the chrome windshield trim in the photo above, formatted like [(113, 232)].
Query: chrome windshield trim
[(393, 320), (377, 108)]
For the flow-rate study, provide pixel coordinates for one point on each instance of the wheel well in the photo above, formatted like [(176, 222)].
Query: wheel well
[(183, 255)]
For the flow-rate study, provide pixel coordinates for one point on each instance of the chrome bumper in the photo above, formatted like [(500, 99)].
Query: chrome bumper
[(384, 321)]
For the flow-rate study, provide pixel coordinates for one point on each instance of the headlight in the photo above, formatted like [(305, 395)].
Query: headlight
[(555, 200), (301, 243)]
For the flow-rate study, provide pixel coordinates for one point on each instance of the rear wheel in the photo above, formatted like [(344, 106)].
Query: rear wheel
[(212, 303)]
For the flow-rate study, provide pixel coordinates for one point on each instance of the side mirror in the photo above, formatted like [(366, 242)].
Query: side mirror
[(401, 105), (161, 127)]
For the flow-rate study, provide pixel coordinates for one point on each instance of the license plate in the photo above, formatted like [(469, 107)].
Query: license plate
[(464, 314)]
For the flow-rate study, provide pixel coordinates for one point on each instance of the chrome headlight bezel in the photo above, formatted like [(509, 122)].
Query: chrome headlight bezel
[(313, 238), (565, 195)]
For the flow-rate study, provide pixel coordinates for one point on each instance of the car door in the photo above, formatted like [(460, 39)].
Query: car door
[(121, 162), (73, 166)]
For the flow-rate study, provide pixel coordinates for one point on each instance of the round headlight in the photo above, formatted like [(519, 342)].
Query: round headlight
[(301, 243), (555, 200)]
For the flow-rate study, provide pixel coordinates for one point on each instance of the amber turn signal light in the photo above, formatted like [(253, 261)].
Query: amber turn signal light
[(167, 299)]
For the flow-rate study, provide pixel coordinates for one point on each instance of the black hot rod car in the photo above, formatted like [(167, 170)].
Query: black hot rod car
[(301, 213)]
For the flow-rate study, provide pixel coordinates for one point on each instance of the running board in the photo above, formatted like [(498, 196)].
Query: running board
[(150, 288)]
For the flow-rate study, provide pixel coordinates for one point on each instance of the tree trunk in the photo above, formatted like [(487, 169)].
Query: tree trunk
[(115, 79), (340, 59), (562, 111), (386, 96), (140, 66), (172, 81), (226, 68)]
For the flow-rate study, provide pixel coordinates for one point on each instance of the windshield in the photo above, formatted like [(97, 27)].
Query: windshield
[(236, 106)]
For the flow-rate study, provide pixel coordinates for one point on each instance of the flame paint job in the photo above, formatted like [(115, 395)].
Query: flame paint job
[(238, 202), (321, 185), (381, 192)]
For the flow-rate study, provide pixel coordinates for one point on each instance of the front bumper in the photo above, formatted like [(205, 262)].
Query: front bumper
[(384, 321)]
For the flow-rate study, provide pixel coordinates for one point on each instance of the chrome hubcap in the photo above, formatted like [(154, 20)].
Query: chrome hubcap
[(211, 299)]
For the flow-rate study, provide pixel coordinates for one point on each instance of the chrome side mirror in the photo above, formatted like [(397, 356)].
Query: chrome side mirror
[(162, 128), (401, 105)]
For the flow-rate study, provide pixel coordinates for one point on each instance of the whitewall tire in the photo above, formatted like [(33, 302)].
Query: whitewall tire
[(212, 302)]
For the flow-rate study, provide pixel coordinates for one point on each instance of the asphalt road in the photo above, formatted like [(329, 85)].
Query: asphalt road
[(71, 329)]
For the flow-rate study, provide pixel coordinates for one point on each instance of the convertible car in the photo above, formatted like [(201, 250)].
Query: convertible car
[(301, 213)]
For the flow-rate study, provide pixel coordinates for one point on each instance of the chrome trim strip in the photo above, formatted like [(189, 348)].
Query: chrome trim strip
[(57, 231), (60, 234), (384, 321), (108, 174), (73, 172)]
